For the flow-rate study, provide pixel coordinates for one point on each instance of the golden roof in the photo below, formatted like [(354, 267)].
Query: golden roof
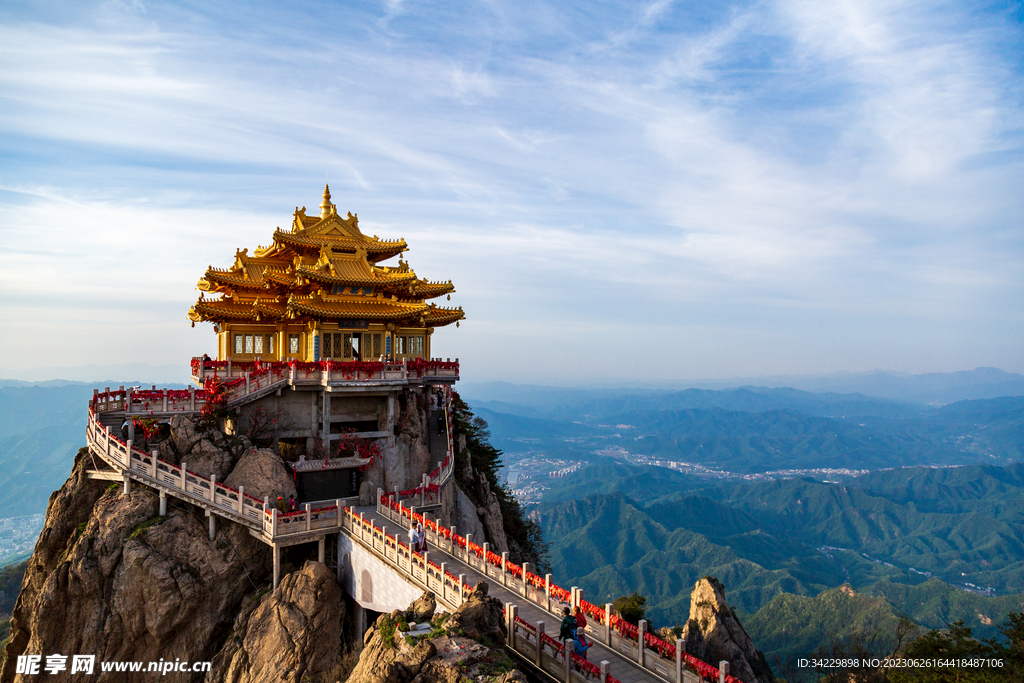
[(323, 268)]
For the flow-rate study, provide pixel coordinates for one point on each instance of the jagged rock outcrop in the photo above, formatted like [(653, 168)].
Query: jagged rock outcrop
[(205, 451), (262, 473), (108, 577), (290, 635), (713, 633), (484, 521), (467, 645), (402, 463)]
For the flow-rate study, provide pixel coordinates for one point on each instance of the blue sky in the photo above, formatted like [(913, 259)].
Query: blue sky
[(619, 191)]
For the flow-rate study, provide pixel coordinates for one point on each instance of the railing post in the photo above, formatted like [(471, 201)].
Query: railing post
[(229, 377), (192, 397), (469, 555), (444, 581), (362, 534), (462, 583), (547, 592), (241, 500), (486, 565), (679, 660), (128, 454), (273, 524), (184, 477), (568, 660), (309, 518), (512, 612), (526, 582), (337, 504), (723, 670), (604, 671), (540, 645), (641, 632), (213, 489), (154, 454), (504, 569), (608, 626), (380, 494), (266, 503), (165, 400), (247, 382), (452, 547), (426, 569)]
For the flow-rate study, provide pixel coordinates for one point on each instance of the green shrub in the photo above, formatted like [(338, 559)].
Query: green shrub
[(145, 525), (387, 631)]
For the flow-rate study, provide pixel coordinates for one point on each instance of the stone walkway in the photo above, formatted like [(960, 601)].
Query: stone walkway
[(620, 667)]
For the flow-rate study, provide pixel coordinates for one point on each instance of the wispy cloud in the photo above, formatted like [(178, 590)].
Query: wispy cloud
[(801, 174)]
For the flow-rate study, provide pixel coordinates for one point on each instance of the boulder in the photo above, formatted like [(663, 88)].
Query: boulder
[(185, 433), (713, 633), (207, 459), (481, 618), (453, 656), (423, 609), (262, 473), (291, 634)]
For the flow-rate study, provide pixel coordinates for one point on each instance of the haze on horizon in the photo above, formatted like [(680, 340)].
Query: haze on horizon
[(659, 192)]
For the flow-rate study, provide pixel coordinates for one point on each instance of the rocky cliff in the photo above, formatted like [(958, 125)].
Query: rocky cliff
[(713, 633), (110, 577), (292, 634), (466, 644)]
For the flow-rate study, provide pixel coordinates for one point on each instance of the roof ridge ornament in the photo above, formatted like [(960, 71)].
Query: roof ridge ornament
[(326, 208)]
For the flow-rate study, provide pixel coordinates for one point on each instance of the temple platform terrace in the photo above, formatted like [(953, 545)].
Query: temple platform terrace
[(258, 375)]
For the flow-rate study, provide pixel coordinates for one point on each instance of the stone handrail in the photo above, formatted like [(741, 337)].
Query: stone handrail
[(325, 371), (185, 484), (207, 491), (666, 660)]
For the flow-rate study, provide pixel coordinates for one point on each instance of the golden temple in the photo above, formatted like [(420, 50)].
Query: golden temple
[(317, 292)]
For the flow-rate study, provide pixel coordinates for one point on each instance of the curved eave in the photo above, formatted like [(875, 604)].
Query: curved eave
[(439, 317), (382, 280), (214, 277), (375, 250), (203, 311), (359, 311), (430, 290), (273, 311)]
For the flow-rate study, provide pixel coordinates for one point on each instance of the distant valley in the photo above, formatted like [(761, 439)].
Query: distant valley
[(820, 512)]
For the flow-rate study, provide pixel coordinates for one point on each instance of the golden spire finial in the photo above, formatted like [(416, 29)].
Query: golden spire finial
[(325, 205)]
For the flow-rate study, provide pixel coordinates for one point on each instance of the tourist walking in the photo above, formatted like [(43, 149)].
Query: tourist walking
[(581, 644), (581, 618), (568, 628), (292, 505)]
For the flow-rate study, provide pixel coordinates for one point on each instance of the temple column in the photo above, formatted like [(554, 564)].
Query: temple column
[(277, 565)]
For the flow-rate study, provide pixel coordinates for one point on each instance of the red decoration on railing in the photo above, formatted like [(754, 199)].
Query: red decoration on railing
[(556, 647), (586, 668)]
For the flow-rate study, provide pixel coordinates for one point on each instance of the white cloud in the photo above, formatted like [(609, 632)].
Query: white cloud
[(743, 173)]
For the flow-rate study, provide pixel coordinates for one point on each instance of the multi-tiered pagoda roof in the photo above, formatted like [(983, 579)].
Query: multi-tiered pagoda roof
[(323, 269)]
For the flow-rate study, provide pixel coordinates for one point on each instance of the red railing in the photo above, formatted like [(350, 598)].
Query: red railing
[(626, 630)]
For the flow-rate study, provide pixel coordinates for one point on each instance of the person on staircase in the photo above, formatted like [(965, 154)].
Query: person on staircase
[(581, 618), (580, 643), (568, 627)]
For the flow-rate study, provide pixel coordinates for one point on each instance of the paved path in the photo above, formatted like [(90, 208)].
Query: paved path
[(620, 667)]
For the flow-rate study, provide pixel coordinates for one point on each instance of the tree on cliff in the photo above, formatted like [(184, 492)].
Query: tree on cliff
[(525, 537)]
